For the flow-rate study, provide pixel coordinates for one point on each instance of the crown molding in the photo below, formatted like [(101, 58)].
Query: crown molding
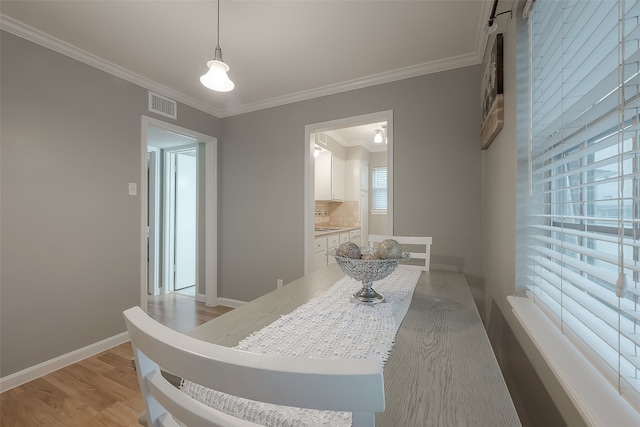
[(39, 37), (372, 80), (34, 35), (337, 137)]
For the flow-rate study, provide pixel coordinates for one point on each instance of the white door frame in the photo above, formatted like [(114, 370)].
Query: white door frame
[(309, 173), (210, 208), (153, 231)]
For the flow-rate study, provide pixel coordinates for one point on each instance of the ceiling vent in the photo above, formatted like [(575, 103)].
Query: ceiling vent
[(163, 105), (321, 138)]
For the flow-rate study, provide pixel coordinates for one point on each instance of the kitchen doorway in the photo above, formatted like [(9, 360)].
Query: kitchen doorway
[(162, 190), (348, 132)]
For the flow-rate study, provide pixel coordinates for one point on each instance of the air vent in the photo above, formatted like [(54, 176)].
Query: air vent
[(321, 138), (163, 105)]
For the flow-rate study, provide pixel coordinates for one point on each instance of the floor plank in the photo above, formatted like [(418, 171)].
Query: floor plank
[(101, 390), (181, 312)]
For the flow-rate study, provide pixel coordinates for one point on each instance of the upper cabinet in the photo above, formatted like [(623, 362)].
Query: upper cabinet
[(329, 179)]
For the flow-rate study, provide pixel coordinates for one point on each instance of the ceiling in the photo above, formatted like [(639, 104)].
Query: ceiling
[(163, 139), (361, 135), (278, 51)]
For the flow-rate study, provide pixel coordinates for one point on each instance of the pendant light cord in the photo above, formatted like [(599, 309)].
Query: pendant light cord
[(216, 78), (218, 51)]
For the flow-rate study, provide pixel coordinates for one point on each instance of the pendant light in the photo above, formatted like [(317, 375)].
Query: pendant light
[(216, 78), (377, 138)]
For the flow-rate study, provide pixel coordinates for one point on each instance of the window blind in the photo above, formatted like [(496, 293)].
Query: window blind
[(379, 189), (582, 258)]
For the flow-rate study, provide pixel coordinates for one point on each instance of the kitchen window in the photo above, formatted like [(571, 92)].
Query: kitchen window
[(582, 257), (379, 189)]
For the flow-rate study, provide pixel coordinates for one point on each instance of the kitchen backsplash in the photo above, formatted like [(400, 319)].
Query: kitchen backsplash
[(337, 214)]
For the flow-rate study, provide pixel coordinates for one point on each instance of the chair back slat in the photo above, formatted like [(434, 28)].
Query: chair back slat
[(423, 251), (355, 386)]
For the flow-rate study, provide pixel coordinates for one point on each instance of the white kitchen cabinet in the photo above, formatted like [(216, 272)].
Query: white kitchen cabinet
[(324, 244), (333, 241), (355, 237), (337, 178), (329, 177), (344, 237), (320, 252)]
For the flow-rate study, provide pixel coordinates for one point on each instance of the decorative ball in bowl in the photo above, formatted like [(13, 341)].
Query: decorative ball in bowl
[(368, 265)]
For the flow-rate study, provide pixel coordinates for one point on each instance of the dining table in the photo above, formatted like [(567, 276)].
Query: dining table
[(441, 370)]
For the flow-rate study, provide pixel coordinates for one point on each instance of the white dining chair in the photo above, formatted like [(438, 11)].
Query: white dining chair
[(418, 247), (349, 385)]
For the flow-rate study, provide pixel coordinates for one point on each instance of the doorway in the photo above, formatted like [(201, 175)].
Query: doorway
[(381, 224), (178, 234), (180, 208)]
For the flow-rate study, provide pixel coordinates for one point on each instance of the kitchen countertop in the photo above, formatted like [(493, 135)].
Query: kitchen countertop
[(336, 231)]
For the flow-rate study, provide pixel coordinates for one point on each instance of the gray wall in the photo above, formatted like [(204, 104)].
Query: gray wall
[(70, 233), (538, 396), (437, 170), (69, 240)]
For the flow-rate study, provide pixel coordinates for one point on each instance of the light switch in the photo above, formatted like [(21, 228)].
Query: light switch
[(133, 189)]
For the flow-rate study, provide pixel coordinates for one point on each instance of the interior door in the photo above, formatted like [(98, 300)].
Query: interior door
[(185, 220)]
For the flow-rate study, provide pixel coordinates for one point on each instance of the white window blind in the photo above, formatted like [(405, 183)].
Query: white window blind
[(379, 189), (582, 261)]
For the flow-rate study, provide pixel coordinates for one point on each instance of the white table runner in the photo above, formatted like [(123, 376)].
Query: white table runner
[(329, 326)]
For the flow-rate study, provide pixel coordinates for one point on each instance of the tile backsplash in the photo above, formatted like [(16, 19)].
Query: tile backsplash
[(337, 214)]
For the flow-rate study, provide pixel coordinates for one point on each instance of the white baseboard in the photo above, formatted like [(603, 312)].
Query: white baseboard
[(228, 302), (33, 372)]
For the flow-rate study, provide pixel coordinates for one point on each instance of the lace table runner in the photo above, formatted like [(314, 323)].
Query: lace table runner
[(329, 326)]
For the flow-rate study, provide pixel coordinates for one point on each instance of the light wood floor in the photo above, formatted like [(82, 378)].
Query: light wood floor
[(180, 312), (101, 390)]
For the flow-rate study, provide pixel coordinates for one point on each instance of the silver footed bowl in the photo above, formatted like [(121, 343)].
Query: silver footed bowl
[(368, 271)]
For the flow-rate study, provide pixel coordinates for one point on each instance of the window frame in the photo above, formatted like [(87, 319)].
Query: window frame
[(376, 190), (579, 373)]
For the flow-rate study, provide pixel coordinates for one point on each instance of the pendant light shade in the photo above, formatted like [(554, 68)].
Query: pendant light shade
[(377, 138), (216, 78)]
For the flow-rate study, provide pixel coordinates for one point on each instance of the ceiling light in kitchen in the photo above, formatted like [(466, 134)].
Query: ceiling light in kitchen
[(378, 137)]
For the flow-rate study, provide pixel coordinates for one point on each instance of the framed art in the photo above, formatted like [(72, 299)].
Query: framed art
[(492, 96)]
